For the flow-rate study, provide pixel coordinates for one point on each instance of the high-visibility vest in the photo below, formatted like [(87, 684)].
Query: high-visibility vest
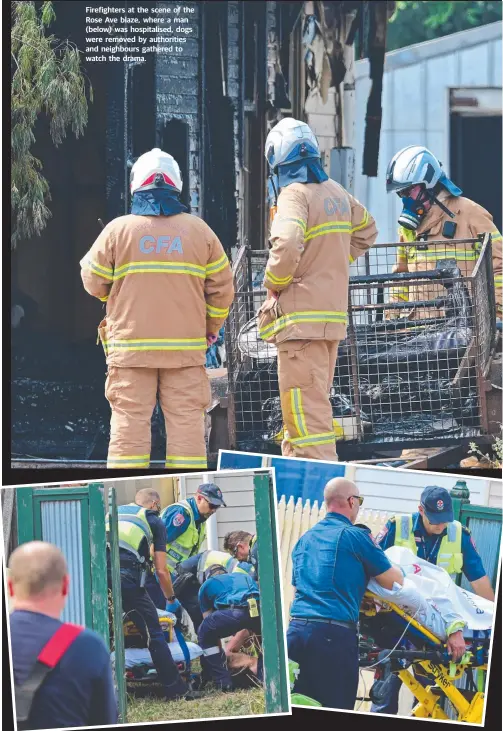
[(219, 558), (189, 542), (450, 555), (133, 528)]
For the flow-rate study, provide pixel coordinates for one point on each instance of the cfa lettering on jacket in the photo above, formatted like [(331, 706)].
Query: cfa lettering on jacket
[(149, 244)]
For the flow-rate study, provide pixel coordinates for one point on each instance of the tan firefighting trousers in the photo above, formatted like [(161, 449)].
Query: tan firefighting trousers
[(305, 373), (184, 394)]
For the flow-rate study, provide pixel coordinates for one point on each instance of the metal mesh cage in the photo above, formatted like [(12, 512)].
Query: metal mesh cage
[(412, 368)]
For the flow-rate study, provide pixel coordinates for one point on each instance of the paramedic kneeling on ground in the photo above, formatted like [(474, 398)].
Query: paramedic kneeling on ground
[(79, 689), (332, 564), (433, 535), (229, 603)]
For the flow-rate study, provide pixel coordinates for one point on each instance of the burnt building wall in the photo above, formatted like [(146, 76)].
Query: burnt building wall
[(179, 118)]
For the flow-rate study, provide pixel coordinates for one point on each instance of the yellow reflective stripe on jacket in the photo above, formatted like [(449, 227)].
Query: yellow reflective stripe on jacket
[(364, 222), (277, 280), (336, 227), (313, 439), (328, 228), (195, 462), (218, 265), (100, 270), (142, 460), (298, 412), (407, 234), (299, 317), (103, 299), (351, 259), (400, 292), (498, 279), (158, 344), (442, 253), (495, 235), (401, 252), (216, 311), (159, 267), (298, 221)]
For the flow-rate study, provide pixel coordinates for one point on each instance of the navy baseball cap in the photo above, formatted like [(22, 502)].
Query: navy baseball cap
[(212, 493), (437, 504)]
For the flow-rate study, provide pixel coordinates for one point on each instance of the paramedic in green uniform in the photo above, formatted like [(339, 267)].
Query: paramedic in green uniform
[(185, 523)]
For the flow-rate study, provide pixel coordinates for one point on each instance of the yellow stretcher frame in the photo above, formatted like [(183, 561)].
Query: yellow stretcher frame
[(428, 698)]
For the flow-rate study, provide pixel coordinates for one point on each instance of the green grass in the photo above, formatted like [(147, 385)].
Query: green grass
[(213, 705)]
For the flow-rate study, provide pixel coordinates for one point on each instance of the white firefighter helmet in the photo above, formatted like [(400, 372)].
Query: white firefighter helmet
[(289, 141), (155, 169), (413, 165)]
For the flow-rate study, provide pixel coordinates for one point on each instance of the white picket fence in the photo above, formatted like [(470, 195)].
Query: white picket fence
[(294, 519)]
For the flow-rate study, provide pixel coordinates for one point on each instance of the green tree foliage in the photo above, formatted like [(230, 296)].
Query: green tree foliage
[(46, 80), (414, 22)]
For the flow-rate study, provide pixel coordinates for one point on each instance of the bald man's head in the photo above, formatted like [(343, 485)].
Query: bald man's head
[(338, 493), (36, 569), (146, 497)]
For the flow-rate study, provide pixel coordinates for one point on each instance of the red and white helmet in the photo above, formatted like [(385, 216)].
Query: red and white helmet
[(155, 169)]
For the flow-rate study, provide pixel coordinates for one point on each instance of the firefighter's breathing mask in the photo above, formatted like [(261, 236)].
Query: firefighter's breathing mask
[(416, 203)]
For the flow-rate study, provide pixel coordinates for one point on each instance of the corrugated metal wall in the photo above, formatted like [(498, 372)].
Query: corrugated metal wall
[(487, 537), (61, 526), (416, 105)]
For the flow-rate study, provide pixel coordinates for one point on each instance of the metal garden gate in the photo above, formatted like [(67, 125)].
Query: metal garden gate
[(273, 634), (485, 526)]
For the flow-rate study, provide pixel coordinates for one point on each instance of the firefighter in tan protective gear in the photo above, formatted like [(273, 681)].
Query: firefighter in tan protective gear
[(317, 231), (434, 209), (167, 285)]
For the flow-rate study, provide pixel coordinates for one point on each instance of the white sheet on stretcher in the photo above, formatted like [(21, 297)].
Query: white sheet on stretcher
[(432, 598)]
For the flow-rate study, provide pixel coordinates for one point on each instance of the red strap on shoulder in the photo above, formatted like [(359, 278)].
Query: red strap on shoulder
[(53, 651)]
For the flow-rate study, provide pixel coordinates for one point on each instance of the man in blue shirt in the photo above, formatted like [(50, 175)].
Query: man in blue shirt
[(79, 690), (189, 576), (229, 603), (332, 564), (433, 535)]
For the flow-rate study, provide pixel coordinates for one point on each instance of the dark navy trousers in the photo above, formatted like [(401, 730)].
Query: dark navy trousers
[(217, 625), (327, 655), (138, 606)]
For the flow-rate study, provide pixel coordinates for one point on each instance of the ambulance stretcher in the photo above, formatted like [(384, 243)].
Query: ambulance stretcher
[(380, 620)]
